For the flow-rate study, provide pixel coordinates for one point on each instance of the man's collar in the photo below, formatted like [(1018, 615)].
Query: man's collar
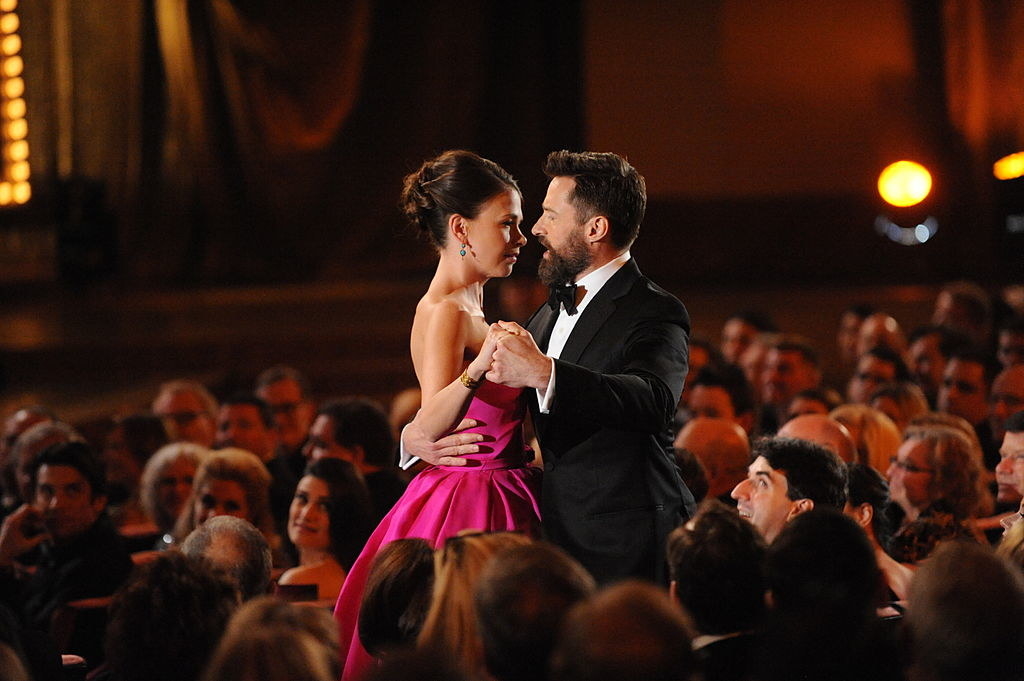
[(593, 281)]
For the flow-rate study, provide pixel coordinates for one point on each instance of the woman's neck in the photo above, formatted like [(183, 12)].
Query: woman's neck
[(458, 277), (313, 556)]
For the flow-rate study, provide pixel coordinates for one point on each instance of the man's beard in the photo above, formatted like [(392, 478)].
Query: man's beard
[(561, 267)]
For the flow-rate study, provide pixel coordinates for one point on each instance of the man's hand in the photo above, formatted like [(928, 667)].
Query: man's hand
[(518, 362), (22, 531), (448, 451)]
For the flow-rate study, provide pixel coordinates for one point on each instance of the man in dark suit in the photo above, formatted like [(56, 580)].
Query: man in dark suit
[(606, 360)]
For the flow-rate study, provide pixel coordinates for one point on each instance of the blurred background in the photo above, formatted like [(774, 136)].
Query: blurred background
[(205, 188)]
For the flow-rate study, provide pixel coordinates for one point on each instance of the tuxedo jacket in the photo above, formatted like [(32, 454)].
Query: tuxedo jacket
[(611, 491)]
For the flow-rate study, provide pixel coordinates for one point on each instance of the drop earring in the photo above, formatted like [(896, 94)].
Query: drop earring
[(462, 252)]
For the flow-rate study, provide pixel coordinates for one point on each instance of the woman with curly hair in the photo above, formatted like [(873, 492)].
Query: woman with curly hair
[(935, 479)]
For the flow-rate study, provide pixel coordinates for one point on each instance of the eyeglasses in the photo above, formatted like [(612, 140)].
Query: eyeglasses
[(908, 467)]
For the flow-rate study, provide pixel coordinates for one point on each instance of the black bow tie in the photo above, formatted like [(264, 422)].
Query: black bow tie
[(564, 295)]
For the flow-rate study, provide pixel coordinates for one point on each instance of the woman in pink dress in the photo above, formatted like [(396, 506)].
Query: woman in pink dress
[(471, 211)]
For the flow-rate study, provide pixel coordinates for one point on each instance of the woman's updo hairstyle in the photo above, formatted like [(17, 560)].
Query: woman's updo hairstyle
[(456, 182)]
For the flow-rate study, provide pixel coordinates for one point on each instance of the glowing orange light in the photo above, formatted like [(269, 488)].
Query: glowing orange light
[(19, 171), (15, 109), (17, 151), (13, 66), (9, 23), (22, 192), (904, 183), (10, 45), (6, 193), (14, 88), (17, 129), (1009, 167), (8, 5)]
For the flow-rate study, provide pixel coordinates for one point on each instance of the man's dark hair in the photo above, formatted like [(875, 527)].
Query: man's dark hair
[(950, 340), (167, 620), (362, 421), (251, 568), (521, 598), (861, 310), (867, 486), (975, 355), (717, 563), (733, 381), (79, 456), (757, 319), (792, 343), (890, 356), (812, 472), (1015, 423), (266, 415), (826, 396), (281, 372), (605, 185)]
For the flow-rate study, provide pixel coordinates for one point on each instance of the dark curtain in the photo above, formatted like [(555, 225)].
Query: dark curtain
[(277, 134)]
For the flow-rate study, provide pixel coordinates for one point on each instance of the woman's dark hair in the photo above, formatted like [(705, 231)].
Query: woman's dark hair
[(457, 182), (867, 486), (397, 595), (349, 509)]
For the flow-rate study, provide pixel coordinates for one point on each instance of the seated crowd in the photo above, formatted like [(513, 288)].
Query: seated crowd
[(873, 534)]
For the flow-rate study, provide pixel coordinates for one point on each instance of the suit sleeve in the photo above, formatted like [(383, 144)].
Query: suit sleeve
[(640, 388)]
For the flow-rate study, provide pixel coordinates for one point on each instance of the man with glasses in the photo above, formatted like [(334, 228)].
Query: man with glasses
[(188, 410), (286, 391)]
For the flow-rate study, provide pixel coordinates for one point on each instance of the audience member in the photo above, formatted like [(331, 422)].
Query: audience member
[(329, 521), (824, 431), (235, 547), (813, 401), (791, 365), (397, 596), (966, 620), (404, 406), (880, 330), (81, 556), (1006, 399), (691, 470), (965, 307), (936, 481), (1010, 342), (716, 564), (128, 447), (930, 349), (874, 434), (739, 332), (189, 411), (357, 430), (450, 626), (876, 367), (270, 640), (522, 597), (231, 482), (900, 401), (30, 445), (596, 644), (964, 393), (1010, 471), (167, 484), (286, 392), (165, 622), (723, 392), (14, 425), (702, 354), (789, 477), (722, 448), (869, 506), (849, 331)]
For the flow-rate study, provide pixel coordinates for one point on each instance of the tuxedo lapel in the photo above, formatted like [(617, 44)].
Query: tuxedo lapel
[(598, 311), (541, 324)]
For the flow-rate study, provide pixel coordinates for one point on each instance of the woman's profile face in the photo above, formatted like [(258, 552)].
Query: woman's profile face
[(309, 522), (221, 497), (494, 236), (911, 474)]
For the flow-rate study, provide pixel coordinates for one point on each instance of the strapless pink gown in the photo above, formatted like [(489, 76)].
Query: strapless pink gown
[(496, 491)]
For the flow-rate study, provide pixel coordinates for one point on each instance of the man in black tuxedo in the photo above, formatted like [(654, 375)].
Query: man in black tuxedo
[(606, 360)]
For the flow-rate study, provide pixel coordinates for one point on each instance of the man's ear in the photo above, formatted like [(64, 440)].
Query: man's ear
[(598, 229), (799, 506), (864, 514), (673, 590)]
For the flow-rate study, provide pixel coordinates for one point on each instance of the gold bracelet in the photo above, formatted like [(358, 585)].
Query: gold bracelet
[(470, 383)]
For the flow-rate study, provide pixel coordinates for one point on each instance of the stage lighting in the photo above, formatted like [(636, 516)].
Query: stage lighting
[(904, 183), (1009, 167)]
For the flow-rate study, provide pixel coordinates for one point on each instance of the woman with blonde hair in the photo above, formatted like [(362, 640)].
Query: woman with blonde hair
[(935, 479), (231, 482), (901, 402), (167, 483), (875, 435), (450, 626)]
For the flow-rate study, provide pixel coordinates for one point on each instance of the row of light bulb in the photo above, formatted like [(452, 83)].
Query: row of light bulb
[(14, 183)]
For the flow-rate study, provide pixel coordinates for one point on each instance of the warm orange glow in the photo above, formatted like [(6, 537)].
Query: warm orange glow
[(19, 172), (10, 45), (22, 192), (17, 129), (1009, 167), (15, 109), (904, 183), (6, 193), (14, 88), (13, 66), (9, 23), (17, 151), (8, 5)]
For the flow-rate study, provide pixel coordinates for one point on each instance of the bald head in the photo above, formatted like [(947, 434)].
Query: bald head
[(824, 431), (722, 446), (880, 329)]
